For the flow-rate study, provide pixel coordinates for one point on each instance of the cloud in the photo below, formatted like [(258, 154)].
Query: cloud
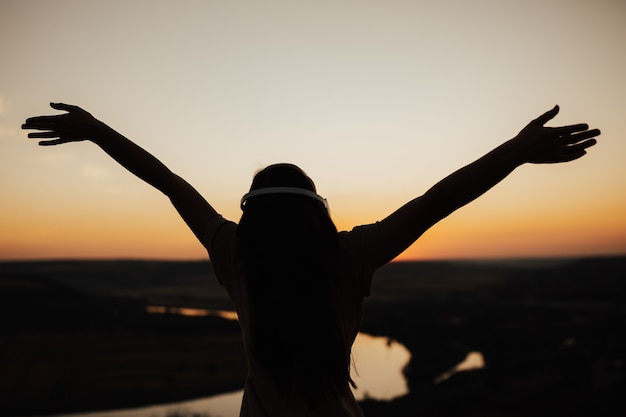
[(95, 172)]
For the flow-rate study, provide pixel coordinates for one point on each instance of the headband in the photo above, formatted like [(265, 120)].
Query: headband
[(283, 190)]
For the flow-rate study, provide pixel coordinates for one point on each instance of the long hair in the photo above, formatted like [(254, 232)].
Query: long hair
[(290, 253)]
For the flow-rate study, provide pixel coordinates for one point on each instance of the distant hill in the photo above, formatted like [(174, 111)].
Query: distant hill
[(191, 284)]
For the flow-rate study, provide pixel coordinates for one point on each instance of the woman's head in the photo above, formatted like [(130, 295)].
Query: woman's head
[(283, 215), (282, 175), (283, 179)]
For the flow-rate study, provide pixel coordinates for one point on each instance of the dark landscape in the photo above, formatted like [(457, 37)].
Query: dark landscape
[(76, 336)]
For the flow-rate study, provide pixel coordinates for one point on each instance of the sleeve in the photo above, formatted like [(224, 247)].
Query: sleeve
[(222, 238), (362, 247)]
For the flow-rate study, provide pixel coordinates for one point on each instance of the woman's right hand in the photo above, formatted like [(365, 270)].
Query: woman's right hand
[(73, 126)]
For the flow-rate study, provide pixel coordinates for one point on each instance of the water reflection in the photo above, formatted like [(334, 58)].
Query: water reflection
[(378, 362), (473, 360), (378, 367), (186, 311)]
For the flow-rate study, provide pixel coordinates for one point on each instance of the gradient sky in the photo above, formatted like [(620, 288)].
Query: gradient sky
[(376, 100)]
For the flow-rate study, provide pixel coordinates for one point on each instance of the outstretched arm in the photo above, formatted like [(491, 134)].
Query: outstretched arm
[(536, 143), (77, 125)]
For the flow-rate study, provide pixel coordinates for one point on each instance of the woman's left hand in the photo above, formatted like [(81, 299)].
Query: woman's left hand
[(539, 144)]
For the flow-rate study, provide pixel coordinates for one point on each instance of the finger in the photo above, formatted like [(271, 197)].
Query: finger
[(39, 121), (572, 155), (546, 117), (577, 137), (583, 145), (53, 142), (568, 130), (63, 106), (571, 152), (42, 135)]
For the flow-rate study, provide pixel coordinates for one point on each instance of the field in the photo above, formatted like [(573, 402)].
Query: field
[(76, 336)]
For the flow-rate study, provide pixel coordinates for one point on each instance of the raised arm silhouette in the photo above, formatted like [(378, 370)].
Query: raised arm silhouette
[(298, 285)]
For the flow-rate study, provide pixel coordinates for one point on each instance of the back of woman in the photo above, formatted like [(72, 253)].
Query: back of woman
[(298, 287)]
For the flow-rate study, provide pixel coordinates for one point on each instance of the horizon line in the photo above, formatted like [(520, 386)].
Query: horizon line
[(457, 259)]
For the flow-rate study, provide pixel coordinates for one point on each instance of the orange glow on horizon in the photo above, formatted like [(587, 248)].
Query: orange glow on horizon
[(463, 235), (536, 235)]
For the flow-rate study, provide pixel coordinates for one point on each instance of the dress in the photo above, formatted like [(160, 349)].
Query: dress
[(358, 250)]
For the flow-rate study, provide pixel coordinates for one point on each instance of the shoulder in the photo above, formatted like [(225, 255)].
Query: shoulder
[(221, 238), (218, 229), (361, 238)]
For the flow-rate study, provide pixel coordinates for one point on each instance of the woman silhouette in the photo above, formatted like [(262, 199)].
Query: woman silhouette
[(297, 284)]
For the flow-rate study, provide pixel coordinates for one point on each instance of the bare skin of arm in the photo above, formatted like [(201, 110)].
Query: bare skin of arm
[(536, 143), (78, 125)]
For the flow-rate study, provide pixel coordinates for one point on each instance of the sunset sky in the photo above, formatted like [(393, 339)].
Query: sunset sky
[(375, 100)]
